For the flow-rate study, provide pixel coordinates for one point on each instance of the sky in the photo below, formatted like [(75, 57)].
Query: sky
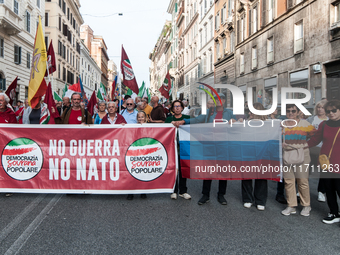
[(138, 29)]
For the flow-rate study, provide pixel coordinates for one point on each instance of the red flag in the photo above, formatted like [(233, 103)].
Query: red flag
[(50, 103), (10, 92), (51, 66), (128, 75), (166, 86), (92, 103)]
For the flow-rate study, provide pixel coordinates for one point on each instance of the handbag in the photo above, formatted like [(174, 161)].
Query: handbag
[(294, 156), (324, 159)]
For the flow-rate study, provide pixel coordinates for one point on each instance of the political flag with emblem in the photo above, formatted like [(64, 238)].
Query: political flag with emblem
[(37, 85), (129, 78), (102, 92), (51, 65), (142, 90), (113, 88), (166, 86), (10, 92)]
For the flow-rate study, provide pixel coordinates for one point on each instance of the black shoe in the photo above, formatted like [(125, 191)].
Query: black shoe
[(221, 200), (281, 199), (331, 218), (129, 197), (143, 196), (203, 200)]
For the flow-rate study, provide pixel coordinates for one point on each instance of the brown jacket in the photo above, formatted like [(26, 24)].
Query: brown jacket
[(87, 118)]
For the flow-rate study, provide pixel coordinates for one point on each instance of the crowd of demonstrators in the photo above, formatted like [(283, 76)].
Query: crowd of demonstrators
[(130, 114), (181, 183), (98, 117), (218, 113), (295, 137), (157, 114), (259, 193), (20, 112), (140, 106), (328, 134), (75, 114), (112, 117), (147, 107), (318, 117)]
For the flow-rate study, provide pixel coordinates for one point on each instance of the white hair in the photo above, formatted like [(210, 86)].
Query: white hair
[(111, 102), (5, 97)]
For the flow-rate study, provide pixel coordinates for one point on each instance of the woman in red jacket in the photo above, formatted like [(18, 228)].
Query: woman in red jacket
[(329, 133)]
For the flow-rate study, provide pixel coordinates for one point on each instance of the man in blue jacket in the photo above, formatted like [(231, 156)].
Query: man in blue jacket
[(214, 113)]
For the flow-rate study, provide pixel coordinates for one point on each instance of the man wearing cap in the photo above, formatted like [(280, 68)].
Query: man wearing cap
[(218, 113)]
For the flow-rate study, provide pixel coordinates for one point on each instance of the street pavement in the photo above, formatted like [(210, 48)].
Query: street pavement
[(110, 224)]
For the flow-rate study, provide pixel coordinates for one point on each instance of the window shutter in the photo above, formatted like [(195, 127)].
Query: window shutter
[(238, 32), (19, 56), (264, 13), (289, 4), (249, 23)]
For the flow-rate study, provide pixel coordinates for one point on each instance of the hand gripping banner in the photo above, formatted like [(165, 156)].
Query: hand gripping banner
[(101, 159)]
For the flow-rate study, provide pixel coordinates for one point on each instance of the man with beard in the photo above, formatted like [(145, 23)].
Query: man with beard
[(129, 114), (157, 114), (75, 114), (6, 114)]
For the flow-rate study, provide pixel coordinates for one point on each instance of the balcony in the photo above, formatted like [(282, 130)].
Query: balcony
[(9, 20)]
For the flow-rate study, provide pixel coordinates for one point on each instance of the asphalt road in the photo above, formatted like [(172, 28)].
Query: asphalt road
[(107, 224)]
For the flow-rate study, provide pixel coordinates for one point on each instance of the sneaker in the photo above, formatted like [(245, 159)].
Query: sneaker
[(143, 196), (306, 211), (173, 196), (185, 196), (321, 197), (260, 207), (221, 200), (130, 197), (289, 211), (331, 218), (281, 199), (203, 200), (247, 205)]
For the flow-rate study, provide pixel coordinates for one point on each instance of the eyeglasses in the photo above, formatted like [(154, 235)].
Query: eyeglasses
[(333, 111), (129, 104), (177, 106), (290, 111)]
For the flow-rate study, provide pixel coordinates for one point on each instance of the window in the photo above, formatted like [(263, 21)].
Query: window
[(299, 80), (60, 3), (38, 3), (242, 63), (46, 42), (223, 14), (46, 19), (224, 46), (64, 7), (217, 21), (205, 34), (255, 19), (298, 37), (270, 10), (232, 42), (1, 47), (17, 54), (270, 50), (211, 28), (59, 23), (254, 58), (337, 13), (64, 52), (28, 22), (58, 71), (218, 54), (68, 13), (230, 7), (64, 74), (16, 7), (241, 29), (28, 60), (60, 48)]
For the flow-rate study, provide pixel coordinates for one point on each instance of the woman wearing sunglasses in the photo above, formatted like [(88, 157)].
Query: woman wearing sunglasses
[(296, 132), (329, 134)]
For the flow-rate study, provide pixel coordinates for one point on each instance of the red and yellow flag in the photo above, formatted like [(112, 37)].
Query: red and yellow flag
[(38, 68)]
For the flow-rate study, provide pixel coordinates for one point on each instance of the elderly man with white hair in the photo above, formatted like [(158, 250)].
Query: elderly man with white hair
[(112, 116), (6, 114), (129, 114)]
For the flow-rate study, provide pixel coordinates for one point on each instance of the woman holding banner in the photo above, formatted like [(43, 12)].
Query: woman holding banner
[(259, 193), (296, 160), (329, 134), (98, 117)]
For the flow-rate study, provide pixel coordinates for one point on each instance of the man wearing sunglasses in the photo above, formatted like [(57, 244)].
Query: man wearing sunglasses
[(129, 114), (329, 134)]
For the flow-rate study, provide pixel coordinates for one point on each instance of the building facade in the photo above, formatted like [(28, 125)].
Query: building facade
[(90, 72), (98, 50), (18, 25), (62, 27)]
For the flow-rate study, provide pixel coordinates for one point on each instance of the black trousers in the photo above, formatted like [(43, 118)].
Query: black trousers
[(222, 187), (181, 183), (332, 190), (258, 194)]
